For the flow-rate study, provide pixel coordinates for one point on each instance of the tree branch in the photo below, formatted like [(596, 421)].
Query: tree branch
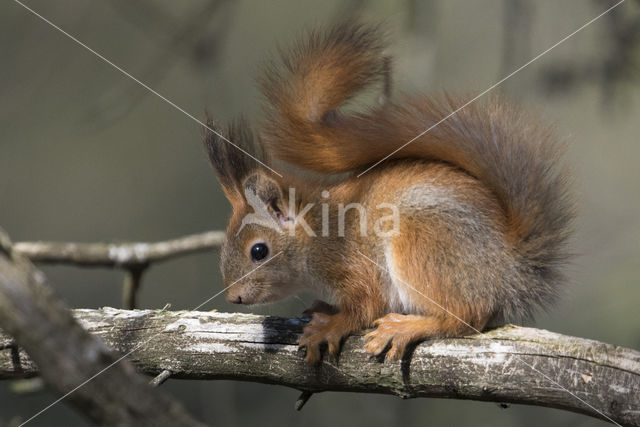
[(125, 255), (494, 366), (72, 360)]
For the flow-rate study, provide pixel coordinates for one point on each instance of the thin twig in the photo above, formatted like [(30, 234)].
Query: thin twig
[(131, 286), (160, 378), (303, 399), (125, 255)]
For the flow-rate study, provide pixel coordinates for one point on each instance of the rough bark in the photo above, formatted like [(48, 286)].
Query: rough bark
[(71, 360), (511, 364)]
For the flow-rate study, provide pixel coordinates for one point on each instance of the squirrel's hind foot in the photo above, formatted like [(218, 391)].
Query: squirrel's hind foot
[(396, 332)]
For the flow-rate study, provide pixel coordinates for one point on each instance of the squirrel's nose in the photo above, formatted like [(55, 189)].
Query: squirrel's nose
[(235, 297)]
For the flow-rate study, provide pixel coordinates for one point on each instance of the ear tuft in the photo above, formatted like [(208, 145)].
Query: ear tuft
[(231, 156)]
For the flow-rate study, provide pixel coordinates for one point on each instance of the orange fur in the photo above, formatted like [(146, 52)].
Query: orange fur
[(484, 209)]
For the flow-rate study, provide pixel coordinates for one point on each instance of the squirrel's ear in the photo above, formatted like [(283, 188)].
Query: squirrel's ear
[(263, 192), (228, 156)]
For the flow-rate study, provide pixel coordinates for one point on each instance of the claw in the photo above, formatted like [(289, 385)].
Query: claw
[(313, 355), (323, 328)]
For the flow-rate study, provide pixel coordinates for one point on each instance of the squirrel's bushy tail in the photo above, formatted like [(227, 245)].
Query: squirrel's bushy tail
[(511, 152)]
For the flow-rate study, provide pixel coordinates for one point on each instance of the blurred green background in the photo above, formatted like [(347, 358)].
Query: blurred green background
[(86, 154)]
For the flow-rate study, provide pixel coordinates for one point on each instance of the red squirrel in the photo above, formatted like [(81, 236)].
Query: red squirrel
[(482, 207)]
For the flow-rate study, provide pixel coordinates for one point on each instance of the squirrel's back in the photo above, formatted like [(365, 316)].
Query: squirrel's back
[(510, 152)]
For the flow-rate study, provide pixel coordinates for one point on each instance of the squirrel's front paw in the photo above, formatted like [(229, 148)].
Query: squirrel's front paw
[(323, 328)]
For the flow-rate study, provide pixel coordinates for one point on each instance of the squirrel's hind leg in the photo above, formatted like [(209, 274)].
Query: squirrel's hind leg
[(396, 332), (440, 270)]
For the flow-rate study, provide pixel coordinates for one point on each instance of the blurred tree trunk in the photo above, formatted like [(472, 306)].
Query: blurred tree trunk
[(70, 359)]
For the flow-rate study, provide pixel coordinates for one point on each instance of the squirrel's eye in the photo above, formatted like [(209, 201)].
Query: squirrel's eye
[(259, 251)]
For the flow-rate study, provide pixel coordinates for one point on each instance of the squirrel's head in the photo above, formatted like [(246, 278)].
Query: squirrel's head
[(259, 256)]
